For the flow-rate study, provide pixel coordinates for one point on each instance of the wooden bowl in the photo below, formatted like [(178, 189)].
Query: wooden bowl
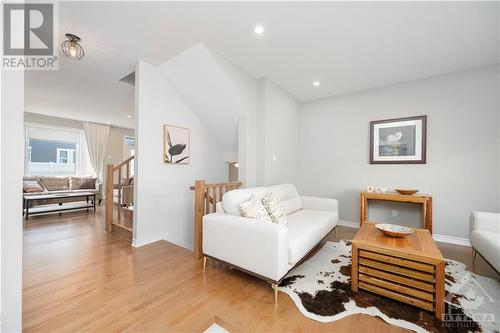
[(406, 191), (394, 230)]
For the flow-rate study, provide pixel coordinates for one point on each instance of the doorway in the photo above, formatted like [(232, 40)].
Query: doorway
[(232, 171)]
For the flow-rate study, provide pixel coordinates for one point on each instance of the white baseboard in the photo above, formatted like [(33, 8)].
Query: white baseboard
[(149, 239), (159, 237), (179, 243), (436, 237), (349, 224), (451, 240)]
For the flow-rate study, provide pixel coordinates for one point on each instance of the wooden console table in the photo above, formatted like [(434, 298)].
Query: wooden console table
[(423, 199)]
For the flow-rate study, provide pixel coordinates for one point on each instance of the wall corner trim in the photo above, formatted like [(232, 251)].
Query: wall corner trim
[(149, 239), (180, 243), (349, 224)]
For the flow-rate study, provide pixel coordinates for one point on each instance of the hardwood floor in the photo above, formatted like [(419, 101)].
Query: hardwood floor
[(79, 278)]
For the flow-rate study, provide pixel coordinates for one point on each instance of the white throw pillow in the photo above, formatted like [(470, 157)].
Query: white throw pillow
[(254, 209), (274, 208)]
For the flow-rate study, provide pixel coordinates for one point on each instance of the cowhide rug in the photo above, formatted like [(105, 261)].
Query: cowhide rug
[(321, 289)]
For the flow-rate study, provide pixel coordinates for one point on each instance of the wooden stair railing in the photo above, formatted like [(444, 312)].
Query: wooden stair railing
[(206, 196), (112, 169)]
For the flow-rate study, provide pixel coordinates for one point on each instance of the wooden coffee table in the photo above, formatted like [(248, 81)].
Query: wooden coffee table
[(410, 269)]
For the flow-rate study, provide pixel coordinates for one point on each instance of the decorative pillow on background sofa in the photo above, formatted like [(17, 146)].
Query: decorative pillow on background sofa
[(253, 208), (274, 208), (32, 186), (52, 183), (88, 183), (80, 183)]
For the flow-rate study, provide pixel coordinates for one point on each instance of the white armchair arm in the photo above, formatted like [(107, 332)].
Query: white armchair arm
[(485, 221), (257, 246), (316, 203)]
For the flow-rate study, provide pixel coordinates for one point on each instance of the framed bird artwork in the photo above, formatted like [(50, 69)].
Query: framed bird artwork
[(176, 145), (398, 141)]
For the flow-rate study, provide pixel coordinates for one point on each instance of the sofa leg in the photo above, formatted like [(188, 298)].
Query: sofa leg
[(275, 288), (204, 264), (474, 253)]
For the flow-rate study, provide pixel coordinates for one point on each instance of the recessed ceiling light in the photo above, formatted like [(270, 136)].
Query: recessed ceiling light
[(129, 116), (108, 123), (259, 30), (316, 83)]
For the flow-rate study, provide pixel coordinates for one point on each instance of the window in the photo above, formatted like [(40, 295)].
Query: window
[(66, 156), (55, 151), (129, 150), (129, 140)]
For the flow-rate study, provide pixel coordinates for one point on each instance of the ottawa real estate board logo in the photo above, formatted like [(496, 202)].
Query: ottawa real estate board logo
[(29, 36)]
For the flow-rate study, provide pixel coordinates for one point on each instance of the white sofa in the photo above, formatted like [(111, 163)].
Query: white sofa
[(265, 249), (485, 237)]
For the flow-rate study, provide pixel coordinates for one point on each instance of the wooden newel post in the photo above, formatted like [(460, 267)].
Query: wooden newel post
[(199, 211), (109, 198)]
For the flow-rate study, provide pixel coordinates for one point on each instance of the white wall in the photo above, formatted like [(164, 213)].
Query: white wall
[(206, 91), (164, 205), (244, 89), (220, 94), (278, 139), (11, 171), (462, 170)]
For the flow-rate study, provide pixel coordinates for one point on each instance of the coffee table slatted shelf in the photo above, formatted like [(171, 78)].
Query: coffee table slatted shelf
[(410, 270)]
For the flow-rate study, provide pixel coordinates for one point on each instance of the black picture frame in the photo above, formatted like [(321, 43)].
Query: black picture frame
[(421, 159)]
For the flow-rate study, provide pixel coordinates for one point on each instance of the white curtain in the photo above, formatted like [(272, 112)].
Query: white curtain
[(97, 138)]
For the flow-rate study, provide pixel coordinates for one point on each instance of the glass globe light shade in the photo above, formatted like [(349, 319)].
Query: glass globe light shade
[(71, 48)]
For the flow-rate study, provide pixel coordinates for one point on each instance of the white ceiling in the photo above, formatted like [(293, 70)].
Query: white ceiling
[(348, 46)]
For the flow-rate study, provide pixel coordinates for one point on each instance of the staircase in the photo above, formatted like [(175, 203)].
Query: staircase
[(119, 198)]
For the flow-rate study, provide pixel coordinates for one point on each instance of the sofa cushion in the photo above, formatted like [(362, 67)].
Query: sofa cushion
[(231, 200), (325, 220), (488, 245), (289, 197), (32, 186), (273, 206), (302, 236), (52, 183)]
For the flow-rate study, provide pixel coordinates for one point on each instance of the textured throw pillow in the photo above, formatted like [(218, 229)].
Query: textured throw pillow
[(74, 182), (82, 182), (87, 183), (274, 208), (32, 186), (253, 208)]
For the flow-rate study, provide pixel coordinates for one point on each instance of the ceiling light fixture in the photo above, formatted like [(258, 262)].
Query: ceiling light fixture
[(259, 30), (129, 116), (71, 48), (316, 83)]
